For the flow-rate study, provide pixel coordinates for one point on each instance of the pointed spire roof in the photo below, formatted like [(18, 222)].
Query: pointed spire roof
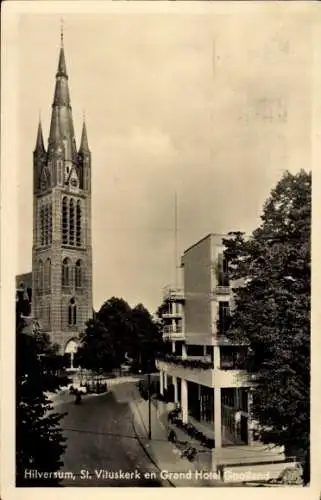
[(62, 68), (84, 148), (55, 135), (61, 97), (39, 142), (61, 127)]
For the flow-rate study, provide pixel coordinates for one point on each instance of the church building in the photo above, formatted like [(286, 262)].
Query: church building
[(62, 248)]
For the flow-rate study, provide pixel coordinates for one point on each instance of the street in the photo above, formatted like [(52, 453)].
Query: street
[(102, 446)]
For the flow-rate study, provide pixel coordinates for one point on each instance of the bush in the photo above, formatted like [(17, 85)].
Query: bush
[(190, 429), (173, 415), (199, 435), (172, 436), (179, 423), (209, 443)]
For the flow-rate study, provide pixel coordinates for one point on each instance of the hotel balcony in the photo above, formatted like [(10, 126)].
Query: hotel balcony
[(172, 315), (173, 294), (221, 291), (186, 369), (201, 371), (169, 333)]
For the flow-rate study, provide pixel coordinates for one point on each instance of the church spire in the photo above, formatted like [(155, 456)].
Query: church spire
[(40, 148), (62, 68), (61, 127), (84, 148), (55, 136)]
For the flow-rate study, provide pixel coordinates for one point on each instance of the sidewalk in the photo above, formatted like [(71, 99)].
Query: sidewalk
[(165, 455), (182, 473)]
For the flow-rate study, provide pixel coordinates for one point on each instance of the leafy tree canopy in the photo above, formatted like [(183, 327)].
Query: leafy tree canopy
[(272, 310), (147, 337), (117, 331), (39, 441)]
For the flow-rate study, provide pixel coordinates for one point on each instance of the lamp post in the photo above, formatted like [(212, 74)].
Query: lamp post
[(149, 408), (148, 369)]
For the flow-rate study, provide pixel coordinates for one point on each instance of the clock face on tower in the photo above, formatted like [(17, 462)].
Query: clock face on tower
[(73, 181)]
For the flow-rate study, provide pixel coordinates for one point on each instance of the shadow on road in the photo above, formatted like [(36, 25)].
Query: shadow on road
[(90, 405), (111, 434)]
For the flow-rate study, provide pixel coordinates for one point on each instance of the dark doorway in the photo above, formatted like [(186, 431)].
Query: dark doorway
[(244, 429)]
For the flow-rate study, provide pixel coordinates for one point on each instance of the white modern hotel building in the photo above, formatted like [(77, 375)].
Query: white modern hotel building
[(200, 364)]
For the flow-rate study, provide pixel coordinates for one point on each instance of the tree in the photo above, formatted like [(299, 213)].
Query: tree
[(272, 313), (115, 314), (39, 441), (107, 338), (147, 338), (117, 331), (163, 308), (96, 351)]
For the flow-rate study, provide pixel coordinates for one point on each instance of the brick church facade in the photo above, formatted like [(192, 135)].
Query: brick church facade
[(62, 248)]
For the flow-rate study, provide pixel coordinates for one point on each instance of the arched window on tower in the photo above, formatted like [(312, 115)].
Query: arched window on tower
[(46, 228), (66, 273), (71, 222), (50, 223), (42, 226), (40, 276), (60, 173), (64, 221), (72, 312), (49, 316), (47, 275), (79, 274), (78, 223)]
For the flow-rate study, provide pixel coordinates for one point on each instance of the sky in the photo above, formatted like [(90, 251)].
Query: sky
[(214, 107)]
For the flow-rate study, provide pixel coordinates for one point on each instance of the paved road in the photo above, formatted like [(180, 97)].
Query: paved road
[(101, 441)]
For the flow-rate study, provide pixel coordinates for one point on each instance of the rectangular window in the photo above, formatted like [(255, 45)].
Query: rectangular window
[(223, 275), (227, 358), (243, 399), (224, 313), (233, 358), (195, 350)]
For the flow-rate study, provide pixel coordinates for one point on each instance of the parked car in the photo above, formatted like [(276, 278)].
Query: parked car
[(74, 388), (125, 368)]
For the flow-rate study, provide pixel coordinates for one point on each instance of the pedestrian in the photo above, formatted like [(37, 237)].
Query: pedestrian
[(78, 397), (237, 420), (172, 436)]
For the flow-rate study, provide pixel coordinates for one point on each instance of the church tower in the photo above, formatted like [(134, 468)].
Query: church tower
[(62, 251)]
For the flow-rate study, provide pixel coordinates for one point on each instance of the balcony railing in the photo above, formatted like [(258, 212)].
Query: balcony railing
[(170, 334), (192, 363), (170, 329), (222, 290), (173, 293), (172, 314), (174, 336)]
